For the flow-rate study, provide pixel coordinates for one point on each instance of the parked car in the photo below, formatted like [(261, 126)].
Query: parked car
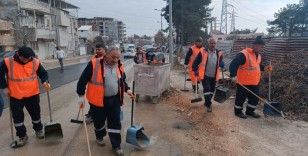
[(130, 53)]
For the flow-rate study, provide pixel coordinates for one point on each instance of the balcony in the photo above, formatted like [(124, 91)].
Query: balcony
[(35, 5), (5, 26), (45, 34), (7, 40)]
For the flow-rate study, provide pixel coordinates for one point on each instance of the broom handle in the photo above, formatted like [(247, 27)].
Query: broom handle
[(11, 123), (49, 106), (86, 130), (78, 113), (185, 78), (196, 91), (222, 74), (133, 103), (263, 100)]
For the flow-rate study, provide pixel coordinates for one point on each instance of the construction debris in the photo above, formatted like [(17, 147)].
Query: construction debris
[(290, 84)]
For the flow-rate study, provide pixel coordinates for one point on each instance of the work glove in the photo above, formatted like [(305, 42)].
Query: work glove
[(46, 85), (268, 68), (130, 94), (81, 101), (234, 79)]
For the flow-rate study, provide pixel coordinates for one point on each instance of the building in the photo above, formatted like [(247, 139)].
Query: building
[(86, 35), (108, 28), (7, 41), (42, 25)]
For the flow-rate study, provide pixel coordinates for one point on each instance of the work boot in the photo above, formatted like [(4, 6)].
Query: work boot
[(241, 115), (100, 142), (88, 119), (20, 142), (118, 151), (253, 114), (39, 134)]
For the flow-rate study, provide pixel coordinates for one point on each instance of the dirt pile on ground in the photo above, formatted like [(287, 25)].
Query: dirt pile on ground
[(290, 85)]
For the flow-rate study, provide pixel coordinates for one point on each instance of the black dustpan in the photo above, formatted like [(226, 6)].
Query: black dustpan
[(52, 130)]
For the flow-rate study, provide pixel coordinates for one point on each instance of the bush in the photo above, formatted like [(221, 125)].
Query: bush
[(290, 84)]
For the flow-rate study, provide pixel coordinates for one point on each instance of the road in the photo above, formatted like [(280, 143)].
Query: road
[(64, 108)]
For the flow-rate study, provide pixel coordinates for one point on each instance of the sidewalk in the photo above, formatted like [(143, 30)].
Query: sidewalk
[(54, 63)]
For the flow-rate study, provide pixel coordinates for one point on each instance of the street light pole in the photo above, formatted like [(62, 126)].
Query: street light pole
[(170, 34), (161, 22), (161, 19)]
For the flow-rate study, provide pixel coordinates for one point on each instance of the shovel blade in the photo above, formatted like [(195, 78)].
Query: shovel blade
[(76, 121), (53, 132), (268, 110), (136, 137), (195, 100)]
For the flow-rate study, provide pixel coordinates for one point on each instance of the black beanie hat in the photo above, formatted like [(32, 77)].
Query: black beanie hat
[(258, 40), (26, 52)]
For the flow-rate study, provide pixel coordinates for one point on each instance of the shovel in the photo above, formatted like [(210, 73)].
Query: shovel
[(185, 89), (197, 98), (77, 119), (267, 110), (134, 134), (264, 101), (222, 93), (53, 131)]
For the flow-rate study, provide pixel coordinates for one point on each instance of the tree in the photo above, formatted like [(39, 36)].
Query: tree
[(160, 38), (289, 21), (189, 18)]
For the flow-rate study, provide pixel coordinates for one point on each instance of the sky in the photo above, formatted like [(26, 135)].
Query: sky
[(141, 18)]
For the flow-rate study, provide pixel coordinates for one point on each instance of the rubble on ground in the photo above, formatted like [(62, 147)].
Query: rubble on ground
[(290, 85)]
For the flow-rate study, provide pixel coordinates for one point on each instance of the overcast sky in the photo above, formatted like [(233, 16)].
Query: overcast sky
[(141, 18)]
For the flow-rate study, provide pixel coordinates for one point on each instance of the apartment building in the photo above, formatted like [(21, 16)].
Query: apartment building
[(109, 28), (42, 25)]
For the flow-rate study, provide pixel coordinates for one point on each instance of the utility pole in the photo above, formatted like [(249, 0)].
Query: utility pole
[(170, 34), (224, 17), (161, 22), (232, 19), (161, 19)]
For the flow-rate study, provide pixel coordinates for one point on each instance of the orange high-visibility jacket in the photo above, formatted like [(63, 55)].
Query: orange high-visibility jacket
[(22, 78), (95, 87), (249, 73), (195, 52), (203, 65)]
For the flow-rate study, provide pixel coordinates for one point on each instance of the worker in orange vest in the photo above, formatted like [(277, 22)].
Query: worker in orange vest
[(245, 69), (206, 66), (189, 59), (140, 56), (100, 52), (22, 86), (104, 83)]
